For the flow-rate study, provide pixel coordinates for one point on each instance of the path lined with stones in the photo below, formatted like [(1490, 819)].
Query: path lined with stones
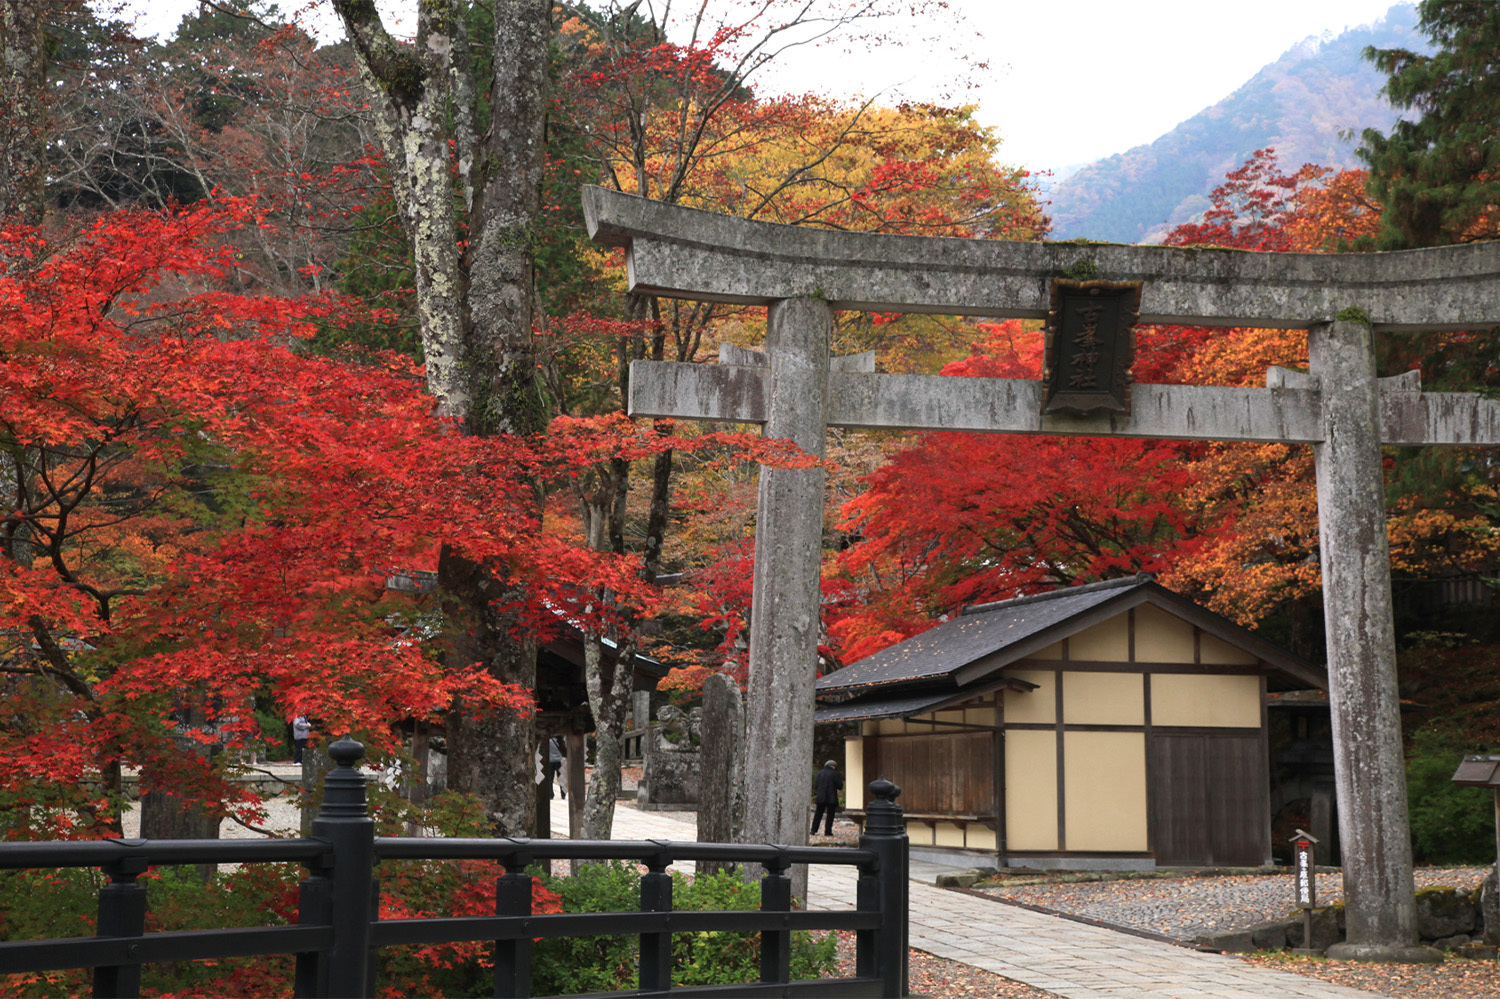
[(1064, 957)]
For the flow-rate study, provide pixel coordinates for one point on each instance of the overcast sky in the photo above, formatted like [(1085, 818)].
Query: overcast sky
[(1067, 81)]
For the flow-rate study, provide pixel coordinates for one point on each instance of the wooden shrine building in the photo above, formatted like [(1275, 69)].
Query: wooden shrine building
[(1113, 725)]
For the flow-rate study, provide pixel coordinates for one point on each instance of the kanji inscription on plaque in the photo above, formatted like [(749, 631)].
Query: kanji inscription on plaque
[(1090, 346)]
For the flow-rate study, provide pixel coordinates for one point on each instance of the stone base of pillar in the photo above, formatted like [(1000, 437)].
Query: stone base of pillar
[(1393, 953)]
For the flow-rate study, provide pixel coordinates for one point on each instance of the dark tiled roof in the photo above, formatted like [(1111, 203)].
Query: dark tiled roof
[(878, 704), (898, 707), (940, 651)]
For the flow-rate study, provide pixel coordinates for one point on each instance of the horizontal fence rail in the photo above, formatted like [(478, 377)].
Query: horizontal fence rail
[(338, 929)]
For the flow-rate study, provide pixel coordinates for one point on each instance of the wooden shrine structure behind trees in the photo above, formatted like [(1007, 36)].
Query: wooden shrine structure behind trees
[(1340, 407)]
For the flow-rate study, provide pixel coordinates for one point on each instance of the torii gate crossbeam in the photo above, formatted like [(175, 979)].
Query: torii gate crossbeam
[(1340, 407)]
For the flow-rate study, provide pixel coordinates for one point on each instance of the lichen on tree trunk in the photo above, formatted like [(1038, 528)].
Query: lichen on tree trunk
[(23, 114), (474, 309)]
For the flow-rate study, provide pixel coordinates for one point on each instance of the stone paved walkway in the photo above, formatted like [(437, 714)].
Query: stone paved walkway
[(1064, 957)]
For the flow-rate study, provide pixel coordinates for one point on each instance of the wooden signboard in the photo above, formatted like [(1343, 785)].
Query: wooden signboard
[(1090, 346)]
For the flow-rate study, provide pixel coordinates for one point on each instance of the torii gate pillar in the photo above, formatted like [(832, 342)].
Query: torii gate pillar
[(788, 551), (1355, 554)]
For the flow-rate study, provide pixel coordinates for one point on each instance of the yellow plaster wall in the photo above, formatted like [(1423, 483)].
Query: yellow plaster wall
[(980, 838), (1161, 637), (948, 834), (956, 717), (1053, 651), (854, 772), (1103, 699), (1039, 705), (979, 716), (1212, 701), (1107, 641), (1105, 790), (1214, 651), (1031, 790), (919, 833), (891, 726), (869, 728)]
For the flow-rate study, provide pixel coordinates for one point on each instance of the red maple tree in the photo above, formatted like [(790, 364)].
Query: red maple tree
[(200, 513)]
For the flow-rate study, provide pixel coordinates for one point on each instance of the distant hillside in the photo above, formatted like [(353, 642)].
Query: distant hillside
[(1298, 104)]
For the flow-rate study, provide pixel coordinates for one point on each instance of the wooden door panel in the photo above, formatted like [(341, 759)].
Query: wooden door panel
[(1208, 798)]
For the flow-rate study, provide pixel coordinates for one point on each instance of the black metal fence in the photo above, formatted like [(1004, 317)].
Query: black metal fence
[(338, 930)]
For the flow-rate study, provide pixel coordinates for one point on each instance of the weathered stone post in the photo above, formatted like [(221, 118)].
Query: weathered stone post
[(1355, 553), (721, 785), (784, 609)]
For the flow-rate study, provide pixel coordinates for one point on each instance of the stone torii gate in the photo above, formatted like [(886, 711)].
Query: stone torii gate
[(796, 391)]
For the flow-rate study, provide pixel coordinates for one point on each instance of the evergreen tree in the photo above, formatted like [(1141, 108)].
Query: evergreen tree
[(1437, 174)]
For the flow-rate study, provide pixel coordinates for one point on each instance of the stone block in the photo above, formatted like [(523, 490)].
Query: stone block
[(1452, 943), (963, 880), (1270, 935), (1443, 911), (1227, 941), (1477, 951), (1489, 910), (1327, 930)]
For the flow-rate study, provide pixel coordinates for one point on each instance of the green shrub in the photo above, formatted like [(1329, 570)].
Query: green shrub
[(43, 904), (46, 904), (1449, 824), (711, 958), (601, 964)]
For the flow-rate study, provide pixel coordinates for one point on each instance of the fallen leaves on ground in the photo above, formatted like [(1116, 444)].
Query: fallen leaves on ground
[(1455, 978), (940, 978)]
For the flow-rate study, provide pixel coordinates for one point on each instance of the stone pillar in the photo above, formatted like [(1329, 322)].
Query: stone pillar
[(784, 606), (1355, 552), (640, 710), (721, 788)]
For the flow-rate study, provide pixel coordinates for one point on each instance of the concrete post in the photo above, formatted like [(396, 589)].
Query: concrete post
[(1355, 552), (784, 606)]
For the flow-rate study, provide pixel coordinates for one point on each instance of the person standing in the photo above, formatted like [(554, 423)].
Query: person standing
[(557, 752), (826, 787), (301, 732)]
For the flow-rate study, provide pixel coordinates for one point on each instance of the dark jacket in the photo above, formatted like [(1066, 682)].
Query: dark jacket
[(826, 786)]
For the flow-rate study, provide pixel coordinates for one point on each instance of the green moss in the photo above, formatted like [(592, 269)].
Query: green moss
[(1082, 269), (1353, 314), (407, 79)]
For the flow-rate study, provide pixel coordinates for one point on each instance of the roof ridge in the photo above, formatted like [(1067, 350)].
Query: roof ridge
[(1061, 591)]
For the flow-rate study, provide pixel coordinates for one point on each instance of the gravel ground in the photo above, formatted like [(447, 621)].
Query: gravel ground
[(1184, 907)]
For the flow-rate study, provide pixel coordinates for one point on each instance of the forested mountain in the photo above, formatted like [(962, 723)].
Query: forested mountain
[(1302, 104)]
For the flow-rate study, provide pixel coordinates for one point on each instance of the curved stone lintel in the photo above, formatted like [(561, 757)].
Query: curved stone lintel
[(678, 252)]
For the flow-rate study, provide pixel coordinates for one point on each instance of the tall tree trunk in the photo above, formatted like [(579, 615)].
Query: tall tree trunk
[(475, 313), (609, 699), (507, 200), (23, 114)]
